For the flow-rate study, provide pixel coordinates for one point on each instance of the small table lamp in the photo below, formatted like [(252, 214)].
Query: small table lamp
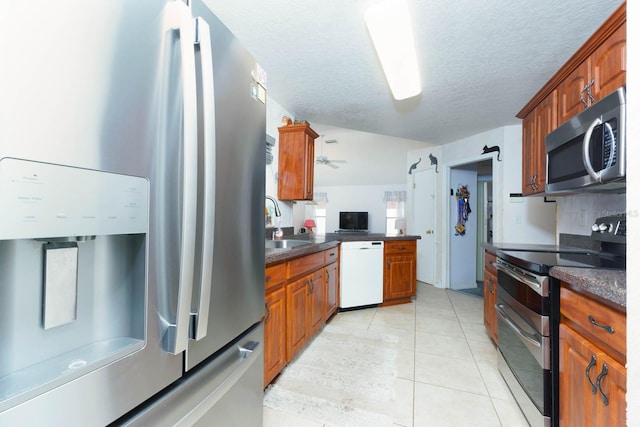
[(309, 224), (401, 225)]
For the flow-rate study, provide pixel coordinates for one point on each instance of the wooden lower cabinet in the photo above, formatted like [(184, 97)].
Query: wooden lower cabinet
[(317, 295), (490, 295), (331, 304), (298, 329), (592, 384), (399, 283), (593, 377), (275, 356)]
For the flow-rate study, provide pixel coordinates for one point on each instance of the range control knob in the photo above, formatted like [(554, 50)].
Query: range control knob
[(595, 227), (602, 227)]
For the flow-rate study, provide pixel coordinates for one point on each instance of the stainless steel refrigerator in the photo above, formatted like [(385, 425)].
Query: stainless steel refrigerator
[(131, 231)]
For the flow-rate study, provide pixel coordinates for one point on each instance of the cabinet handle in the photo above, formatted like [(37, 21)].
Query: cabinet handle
[(310, 287), (586, 372), (591, 98), (388, 263), (605, 327), (266, 306), (332, 254), (584, 101), (603, 373)]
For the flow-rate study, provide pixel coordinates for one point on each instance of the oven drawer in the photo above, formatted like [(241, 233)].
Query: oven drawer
[(520, 342), (597, 322)]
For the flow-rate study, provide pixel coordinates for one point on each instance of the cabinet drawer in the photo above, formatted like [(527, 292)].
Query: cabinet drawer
[(275, 275), (331, 255), (489, 259), (306, 264), (586, 314), (400, 247)]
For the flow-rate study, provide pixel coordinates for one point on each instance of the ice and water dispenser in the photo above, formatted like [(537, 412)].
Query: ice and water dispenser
[(73, 283)]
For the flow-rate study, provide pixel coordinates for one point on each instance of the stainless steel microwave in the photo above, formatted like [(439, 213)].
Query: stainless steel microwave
[(588, 152)]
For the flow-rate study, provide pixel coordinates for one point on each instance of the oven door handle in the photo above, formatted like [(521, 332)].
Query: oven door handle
[(532, 283), (522, 334)]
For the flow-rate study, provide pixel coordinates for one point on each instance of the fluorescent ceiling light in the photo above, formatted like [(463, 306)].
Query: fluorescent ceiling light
[(389, 26)]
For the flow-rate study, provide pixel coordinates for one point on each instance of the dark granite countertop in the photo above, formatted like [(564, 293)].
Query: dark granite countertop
[(607, 286), (320, 242)]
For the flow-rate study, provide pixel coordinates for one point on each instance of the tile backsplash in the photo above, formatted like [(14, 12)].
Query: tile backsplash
[(576, 214)]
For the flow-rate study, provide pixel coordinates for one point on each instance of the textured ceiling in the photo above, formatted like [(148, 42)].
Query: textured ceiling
[(480, 60)]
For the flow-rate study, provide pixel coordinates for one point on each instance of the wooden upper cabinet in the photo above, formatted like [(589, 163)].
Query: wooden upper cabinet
[(535, 128), (594, 71), (572, 97), (604, 71), (609, 64), (295, 162)]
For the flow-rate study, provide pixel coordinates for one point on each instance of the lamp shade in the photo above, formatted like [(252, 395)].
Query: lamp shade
[(309, 223)]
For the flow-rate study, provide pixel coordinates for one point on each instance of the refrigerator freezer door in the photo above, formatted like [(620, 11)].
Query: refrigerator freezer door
[(237, 287), (225, 391)]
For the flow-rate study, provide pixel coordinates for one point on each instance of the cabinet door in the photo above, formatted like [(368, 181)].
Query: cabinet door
[(332, 290), (317, 295), (309, 167), (490, 317), (297, 314), (535, 127), (399, 276), (296, 162), (569, 101), (592, 385), (275, 325), (609, 64), (528, 150), (577, 404)]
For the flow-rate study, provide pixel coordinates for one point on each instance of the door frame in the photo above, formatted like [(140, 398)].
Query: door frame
[(444, 201)]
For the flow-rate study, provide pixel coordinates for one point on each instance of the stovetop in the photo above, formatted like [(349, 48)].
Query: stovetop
[(541, 262), (609, 233)]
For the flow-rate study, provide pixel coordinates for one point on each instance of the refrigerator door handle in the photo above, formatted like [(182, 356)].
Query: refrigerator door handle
[(178, 17), (201, 317)]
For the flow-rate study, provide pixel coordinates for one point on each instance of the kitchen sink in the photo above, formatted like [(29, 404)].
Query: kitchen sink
[(284, 244)]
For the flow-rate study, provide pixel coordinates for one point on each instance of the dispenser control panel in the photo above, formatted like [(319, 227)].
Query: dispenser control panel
[(43, 200)]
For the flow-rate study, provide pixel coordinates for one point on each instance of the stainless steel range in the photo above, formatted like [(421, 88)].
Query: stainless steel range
[(528, 311)]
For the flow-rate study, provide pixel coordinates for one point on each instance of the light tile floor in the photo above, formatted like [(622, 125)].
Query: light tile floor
[(446, 364)]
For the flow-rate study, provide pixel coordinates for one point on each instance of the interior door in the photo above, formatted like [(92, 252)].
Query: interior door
[(424, 220)]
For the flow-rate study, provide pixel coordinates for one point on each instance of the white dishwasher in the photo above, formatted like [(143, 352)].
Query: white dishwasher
[(361, 269)]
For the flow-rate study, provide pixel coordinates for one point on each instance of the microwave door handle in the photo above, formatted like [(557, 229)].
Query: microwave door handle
[(200, 317), (178, 17), (613, 149), (586, 142)]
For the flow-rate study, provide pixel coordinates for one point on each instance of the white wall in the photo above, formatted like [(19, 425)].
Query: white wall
[(366, 198), (515, 220), (462, 250), (275, 112)]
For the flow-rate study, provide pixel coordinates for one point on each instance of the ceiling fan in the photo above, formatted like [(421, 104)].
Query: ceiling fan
[(323, 160)]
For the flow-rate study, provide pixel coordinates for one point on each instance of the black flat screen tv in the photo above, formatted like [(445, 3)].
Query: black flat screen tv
[(356, 221)]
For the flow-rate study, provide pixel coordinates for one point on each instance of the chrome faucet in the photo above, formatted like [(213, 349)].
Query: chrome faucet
[(275, 204), (277, 233)]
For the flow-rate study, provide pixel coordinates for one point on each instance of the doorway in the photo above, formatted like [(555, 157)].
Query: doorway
[(470, 223)]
